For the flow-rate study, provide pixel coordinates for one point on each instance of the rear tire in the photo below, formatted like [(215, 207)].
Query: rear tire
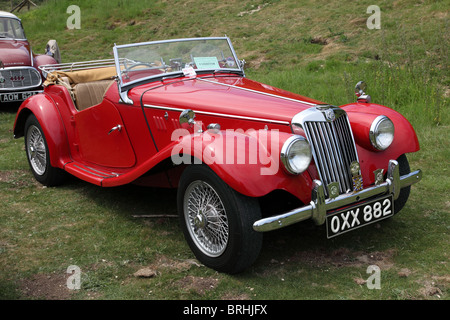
[(38, 155), (217, 221)]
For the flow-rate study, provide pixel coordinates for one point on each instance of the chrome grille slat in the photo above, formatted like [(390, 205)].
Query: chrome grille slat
[(332, 157), (328, 151), (333, 150), (321, 154), (339, 157)]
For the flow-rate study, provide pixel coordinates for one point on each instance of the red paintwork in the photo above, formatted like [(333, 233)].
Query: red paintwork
[(405, 138), (15, 53), (108, 150), (78, 141)]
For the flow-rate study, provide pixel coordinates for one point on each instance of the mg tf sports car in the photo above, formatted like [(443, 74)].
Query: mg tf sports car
[(182, 114), (19, 73)]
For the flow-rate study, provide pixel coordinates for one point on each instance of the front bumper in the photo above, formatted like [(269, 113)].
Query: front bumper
[(318, 207)]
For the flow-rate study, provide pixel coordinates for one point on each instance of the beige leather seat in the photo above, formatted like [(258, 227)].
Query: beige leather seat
[(89, 94)]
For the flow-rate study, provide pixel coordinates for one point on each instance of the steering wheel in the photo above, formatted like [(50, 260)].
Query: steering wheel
[(151, 65)]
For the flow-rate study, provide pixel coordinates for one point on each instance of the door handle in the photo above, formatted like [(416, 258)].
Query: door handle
[(118, 128)]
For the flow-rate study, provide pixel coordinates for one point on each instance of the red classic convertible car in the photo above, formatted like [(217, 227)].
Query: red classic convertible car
[(182, 114), (19, 73)]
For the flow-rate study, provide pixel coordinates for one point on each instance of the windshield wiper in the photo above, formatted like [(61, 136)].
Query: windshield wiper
[(179, 75), (239, 72)]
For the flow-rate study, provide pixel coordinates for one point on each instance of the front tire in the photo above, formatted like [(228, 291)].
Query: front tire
[(38, 154), (217, 221), (404, 192)]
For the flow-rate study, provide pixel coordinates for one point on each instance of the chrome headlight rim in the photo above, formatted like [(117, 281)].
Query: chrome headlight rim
[(374, 133), (286, 153)]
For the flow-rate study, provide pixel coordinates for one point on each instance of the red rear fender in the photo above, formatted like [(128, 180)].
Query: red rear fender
[(46, 112)]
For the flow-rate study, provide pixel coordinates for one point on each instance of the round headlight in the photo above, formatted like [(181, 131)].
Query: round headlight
[(381, 132), (296, 154)]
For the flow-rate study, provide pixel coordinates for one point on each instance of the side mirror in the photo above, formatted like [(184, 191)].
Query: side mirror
[(188, 116), (360, 89)]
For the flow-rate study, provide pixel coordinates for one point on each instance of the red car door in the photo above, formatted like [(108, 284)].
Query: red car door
[(103, 138)]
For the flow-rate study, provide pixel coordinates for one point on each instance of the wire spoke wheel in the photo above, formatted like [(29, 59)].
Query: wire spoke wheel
[(206, 218), (38, 154), (217, 221), (36, 150)]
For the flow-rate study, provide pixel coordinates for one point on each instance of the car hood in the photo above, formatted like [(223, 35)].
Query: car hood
[(14, 53), (225, 95)]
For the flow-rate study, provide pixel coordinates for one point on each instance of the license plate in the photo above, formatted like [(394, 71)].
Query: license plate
[(360, 215), (16, 96)]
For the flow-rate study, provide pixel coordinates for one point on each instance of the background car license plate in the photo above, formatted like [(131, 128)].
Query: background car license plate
[(17, 96), (358, 216)]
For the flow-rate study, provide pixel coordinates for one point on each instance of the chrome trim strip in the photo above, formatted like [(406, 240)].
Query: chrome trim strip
[(260, 92), (85, 170), (109, 174), (163, 108), (93, 172), (220, 114), (318, 207), (167, 41)]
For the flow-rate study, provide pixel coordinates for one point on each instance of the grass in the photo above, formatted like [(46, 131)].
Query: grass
[(315, 48)]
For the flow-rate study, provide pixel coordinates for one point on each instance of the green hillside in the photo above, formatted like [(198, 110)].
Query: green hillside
[(304, 46)]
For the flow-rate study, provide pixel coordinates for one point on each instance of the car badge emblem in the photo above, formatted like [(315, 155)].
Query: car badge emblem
[(379, 178), (357, 183), (333, 190), (327, 111), (329, 114), (356, 176)]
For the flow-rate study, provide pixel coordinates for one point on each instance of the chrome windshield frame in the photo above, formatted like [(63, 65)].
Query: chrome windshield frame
[(125, 87)]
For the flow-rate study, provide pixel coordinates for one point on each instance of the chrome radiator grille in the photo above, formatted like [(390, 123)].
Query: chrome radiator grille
[(19, 78), (332, 144)]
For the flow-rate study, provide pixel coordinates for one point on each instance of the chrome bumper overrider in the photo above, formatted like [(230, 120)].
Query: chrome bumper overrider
[(318, 207)]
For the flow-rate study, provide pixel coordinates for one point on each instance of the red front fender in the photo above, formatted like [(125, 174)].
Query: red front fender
[(46, 112), (248, 162), (405, 140)]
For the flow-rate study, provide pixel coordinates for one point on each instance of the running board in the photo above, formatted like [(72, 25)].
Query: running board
[(88, 173)]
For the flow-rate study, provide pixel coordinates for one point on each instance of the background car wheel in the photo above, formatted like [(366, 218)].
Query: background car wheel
[(404, 192), (38, 155), (217, 221)]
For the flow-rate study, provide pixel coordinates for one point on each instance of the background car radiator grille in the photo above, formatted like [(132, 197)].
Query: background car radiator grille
[(19, 78), (333, 151)]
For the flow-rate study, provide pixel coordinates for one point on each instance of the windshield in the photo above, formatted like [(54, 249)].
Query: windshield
[(11, 28), (160, 59)]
